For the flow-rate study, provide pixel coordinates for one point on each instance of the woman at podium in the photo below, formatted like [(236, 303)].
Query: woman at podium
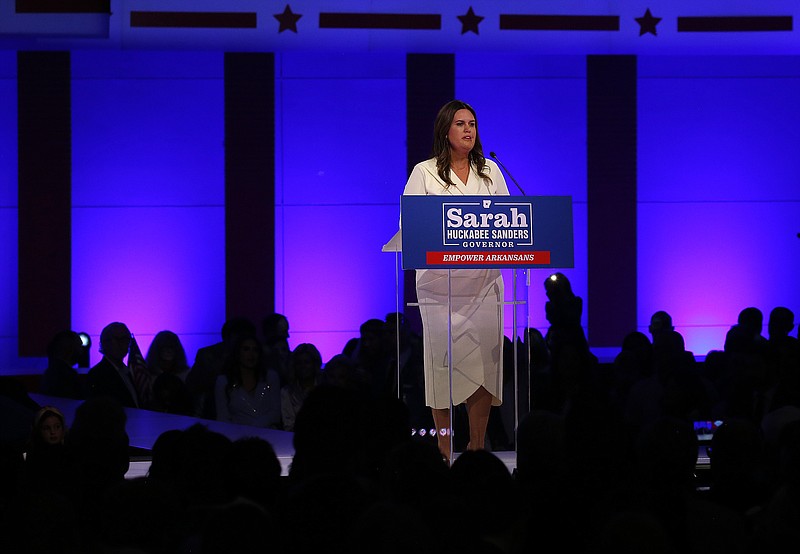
[(457, 168)]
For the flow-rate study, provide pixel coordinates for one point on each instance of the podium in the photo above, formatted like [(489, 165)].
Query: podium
[(480, 232)]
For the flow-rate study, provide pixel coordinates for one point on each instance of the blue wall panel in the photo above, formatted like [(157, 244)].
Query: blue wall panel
[(152, 268), (148, 193), (336, 276), (8, 292), (341, 171), (147, 139), (345, 146), (719, 203), (717, 171), (714, 139), (8, 129), (705, 262), (532, 113), (8, 213)]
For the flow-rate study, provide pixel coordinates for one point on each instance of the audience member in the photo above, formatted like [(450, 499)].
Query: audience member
[(256, 473), (248, 393), (306, 364), (414, 488), (321, 511), (500, 427), (660, 322), (139, 515), (480, 479), (98, 451), (36, 514), (342, 430), (391, 529), (415, 475), (171, 395), (110, 376), (196, 463), (241, 526), (209, 364), (16, 413), (275, 330), (779, 343), (341, 371), (606, 460), (165, 355), (744, 382), (751, 321), (563, 309), (166, 457), (776, 528), (536, 360), (404, 348), (675, 388), (666, 456), (738, 476), (781, 323), (46, 462), (633, 363), (373, 357), (61, 378), (329, 432), (541, 454)]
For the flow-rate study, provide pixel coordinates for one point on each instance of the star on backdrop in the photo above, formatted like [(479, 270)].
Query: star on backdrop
[(647, 23), (287, 20), (470, 21)]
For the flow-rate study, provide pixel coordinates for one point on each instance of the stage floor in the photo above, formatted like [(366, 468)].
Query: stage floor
[(144, 427), (140, 467)]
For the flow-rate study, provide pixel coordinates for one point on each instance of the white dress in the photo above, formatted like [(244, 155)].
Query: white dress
[(477, 310)]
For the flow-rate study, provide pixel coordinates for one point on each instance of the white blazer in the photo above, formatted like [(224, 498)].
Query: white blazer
[(424, 180)]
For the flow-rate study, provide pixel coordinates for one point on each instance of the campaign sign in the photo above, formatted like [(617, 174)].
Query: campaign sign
[(486, 231)]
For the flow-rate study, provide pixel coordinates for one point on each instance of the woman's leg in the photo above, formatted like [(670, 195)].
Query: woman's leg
[(441, 419), (479, 404)]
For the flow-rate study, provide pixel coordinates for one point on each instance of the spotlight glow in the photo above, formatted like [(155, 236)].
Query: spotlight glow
[(86, 340)]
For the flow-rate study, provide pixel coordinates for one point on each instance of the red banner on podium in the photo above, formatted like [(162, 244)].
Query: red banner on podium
[(490, 258)]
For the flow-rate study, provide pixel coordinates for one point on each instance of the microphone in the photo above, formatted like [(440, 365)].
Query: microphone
[(494, 157)]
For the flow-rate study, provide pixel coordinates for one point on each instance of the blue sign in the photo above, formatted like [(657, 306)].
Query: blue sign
[(486, 232)]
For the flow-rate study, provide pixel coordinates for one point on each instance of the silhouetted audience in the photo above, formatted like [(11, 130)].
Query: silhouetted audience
[(489, 504), (751, 321), (171, 395), (781, 323), (341, 371), (277, 353), (607, 456), (61, 378), (633, 363), (46, 461), (16, 413), (776, 528), (374, 357), (165, 355), (139, 515), (664, 488), (209, 364), (98, 450), (110, 376), (256, 473), (249, 392), (660, 322), (306, 365), (563, 309), (738, 477)]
